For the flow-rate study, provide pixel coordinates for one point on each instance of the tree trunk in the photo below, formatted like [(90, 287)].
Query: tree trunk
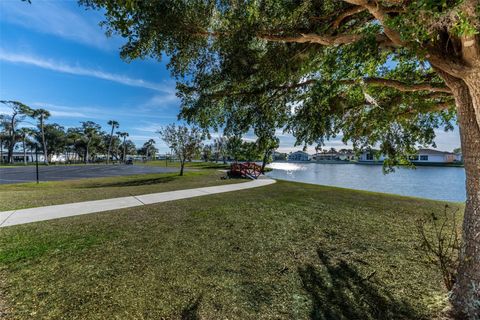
[(182, 164), (11, 145), (86, 154), (124, 151), (265, 160), (45, 159), (24, 153), (110, 145), (466, 292)]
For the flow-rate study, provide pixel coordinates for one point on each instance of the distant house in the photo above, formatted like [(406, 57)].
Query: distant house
[(346, 155), (299, 156), (371, 156), (327, 156), (424, 156), (433, 156), (18, 156), (459, 157), (333, 155), (279, 156)]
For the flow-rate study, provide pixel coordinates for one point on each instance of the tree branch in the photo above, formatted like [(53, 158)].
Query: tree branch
[(444, 63), (325, 40), (313, 38), (350, 12), (399, 85), (380, 14), (436, 91)]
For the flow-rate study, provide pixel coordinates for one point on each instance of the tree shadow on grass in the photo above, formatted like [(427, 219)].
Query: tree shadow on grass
[(133, 183), (190, 312), (339, 291)]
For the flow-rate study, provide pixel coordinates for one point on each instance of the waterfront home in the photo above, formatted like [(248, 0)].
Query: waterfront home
[(458, 157), (346, 155), (279, 156), (423, 156), (432, 156), (325, 156), (333, 155), (299, 156), (371, 156)]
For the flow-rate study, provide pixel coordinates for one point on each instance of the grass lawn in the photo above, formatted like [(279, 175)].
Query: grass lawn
[(288, 250), (190, 165), (26, 195)]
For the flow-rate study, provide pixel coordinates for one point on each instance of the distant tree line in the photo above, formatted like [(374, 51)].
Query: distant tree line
[(27, 128), (187, 143)]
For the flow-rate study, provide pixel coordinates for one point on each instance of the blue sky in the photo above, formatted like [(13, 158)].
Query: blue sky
[(54, 55)]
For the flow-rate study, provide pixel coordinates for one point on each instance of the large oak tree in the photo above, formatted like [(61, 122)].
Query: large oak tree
[(379, 72)]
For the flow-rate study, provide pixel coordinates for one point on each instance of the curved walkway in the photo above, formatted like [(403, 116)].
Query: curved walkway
[(22, 216)]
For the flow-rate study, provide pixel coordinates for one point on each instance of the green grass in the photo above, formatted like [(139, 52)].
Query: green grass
[(285, 251), (190, 165), (26, 195)]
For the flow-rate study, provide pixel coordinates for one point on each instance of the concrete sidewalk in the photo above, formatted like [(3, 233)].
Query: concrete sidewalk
[(21, 216)]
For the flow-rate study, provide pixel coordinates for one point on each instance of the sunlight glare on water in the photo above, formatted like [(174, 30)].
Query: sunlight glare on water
[(439, 183)]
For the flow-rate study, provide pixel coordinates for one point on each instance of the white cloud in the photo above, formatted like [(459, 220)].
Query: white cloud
[(150, 127), (53, 65), (161, 101), (447, 141), (58, 18)]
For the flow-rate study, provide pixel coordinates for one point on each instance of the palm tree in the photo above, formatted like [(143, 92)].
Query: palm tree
[(42, 115), (3, 137), (74, 135), (124, 135), (114, 124), (90, 131), (24, 133), (10, 123), (149, 146)]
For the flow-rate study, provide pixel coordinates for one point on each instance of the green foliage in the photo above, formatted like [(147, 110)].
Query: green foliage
[(185, 142), (148, 149), (235, 73), (55, 138)]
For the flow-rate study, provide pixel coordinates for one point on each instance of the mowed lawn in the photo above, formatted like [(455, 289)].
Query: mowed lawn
[(27, 195), (285, 251)]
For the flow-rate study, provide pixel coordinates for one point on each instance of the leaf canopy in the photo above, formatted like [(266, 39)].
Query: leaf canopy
[(316, 69)]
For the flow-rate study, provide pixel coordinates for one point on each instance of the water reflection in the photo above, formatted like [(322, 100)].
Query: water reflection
[(440, 183)]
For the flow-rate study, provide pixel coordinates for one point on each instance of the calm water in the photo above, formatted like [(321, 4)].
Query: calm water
[(440, 183)]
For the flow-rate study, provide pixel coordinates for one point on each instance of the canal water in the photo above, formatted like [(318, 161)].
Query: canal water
[(439, 183)]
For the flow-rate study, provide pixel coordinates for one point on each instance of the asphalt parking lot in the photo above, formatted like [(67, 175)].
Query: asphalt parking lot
[(11, 175)]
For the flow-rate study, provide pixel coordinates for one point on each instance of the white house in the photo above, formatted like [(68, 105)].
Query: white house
[(299, 156), (370, 156), (424, 156), (433, 156), (18, 156), (459, 157), (325, 156), (332, 155)]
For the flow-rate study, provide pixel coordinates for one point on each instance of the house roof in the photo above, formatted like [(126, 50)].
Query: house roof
[(432, 152)]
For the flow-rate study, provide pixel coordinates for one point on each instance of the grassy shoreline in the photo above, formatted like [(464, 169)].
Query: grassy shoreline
[(288, 250)]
